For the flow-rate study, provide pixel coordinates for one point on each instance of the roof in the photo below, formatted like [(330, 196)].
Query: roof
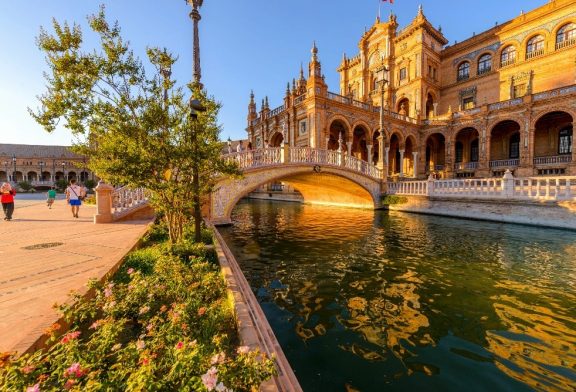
[(37, 151)]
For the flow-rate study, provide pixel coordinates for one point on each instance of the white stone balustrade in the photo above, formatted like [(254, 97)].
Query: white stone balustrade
[(125, 200), (507, 187)]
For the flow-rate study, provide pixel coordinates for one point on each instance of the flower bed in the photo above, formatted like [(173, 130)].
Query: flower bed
[(159, 324)]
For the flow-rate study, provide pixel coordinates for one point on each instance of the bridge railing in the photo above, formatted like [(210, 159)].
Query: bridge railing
[(283, 155), (115, 203), (507, 187)]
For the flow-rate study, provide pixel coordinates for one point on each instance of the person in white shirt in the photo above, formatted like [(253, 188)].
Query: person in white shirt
[(74, 196), (239, 147)]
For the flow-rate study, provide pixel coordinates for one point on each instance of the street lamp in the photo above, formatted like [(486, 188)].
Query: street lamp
[(381, 158), (14, 171), (229, 142), (41, 171), (166, 72), (195, 16), (64, 170)]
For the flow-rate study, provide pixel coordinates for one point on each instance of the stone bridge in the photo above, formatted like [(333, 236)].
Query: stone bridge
[(321, 176)]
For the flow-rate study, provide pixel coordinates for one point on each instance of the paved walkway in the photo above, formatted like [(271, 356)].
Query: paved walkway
[(32, 280)]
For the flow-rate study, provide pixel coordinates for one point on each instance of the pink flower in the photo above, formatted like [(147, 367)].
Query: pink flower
[(221, 388), (210, 378), (243, 350), (179, 345), (70, 336), (218, 358), (140, 345), (107, 292), (28, 369), (96, 324), (144, 309), (74, 371), (34, 388), (130, 271)]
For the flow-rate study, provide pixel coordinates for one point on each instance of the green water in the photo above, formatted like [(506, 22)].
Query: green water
[(377, 301)]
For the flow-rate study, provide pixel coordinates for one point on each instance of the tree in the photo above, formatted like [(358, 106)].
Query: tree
[(136, 129)]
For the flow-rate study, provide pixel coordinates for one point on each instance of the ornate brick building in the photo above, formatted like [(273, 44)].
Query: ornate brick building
[(411, 104), (41, 166)]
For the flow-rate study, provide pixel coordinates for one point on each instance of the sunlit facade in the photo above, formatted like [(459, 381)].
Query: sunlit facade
[(502, 99)]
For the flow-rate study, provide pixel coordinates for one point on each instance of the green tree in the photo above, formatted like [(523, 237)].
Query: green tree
[(137, 129)]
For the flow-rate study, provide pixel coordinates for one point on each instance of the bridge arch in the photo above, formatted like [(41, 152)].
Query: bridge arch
[(327, 185)]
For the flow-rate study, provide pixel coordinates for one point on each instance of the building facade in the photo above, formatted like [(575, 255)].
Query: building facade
[(415, 106), (41, 166)]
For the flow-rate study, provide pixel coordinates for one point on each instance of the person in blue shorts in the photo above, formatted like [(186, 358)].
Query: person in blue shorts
[(74, 196)]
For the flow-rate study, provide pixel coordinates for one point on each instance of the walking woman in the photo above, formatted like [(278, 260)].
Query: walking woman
[(74, 195), (7, 199)]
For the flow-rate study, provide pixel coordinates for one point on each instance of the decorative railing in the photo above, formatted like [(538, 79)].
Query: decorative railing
[(565, 43), (507, 187), (276, 111), (299, 99), (467, 112), (553, 160), (466, 165), (125, 200), (294, 155), (505, 104), (534, 53), (508, 62), (505, 163), (555, 93), (339, 98)]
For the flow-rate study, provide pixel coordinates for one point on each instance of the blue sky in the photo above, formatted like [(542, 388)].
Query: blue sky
[(245, 44)]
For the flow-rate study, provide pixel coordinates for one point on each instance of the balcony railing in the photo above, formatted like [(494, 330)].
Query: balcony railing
[(484, 70), (466, 166), (505, 104), (508, 62), (505, 163), (534, 53), (565, 43), (553, 160), (555, 93), (298, 100), (276, 111)]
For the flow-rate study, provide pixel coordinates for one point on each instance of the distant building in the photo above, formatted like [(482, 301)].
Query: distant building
[(502, 99), (41, 166)]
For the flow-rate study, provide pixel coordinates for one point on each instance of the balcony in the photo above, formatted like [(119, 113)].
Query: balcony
[(565, 43), (505, 163), (484, 70), (466, 166), (507, 62), (534, 53), (553, 160)]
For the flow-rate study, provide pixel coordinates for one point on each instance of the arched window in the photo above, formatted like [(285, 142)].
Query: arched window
[(484, 64), (459, 152), (565, 141), (535, 47), (514, 150), (474, 151), (464, 71), (508, 56), (566, 36)]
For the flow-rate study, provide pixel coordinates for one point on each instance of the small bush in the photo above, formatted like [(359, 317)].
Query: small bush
[(157, 233), (393, 199), (206, 234), (189, 251)]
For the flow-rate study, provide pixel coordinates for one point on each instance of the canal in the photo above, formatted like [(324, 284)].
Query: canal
[(376, 301)]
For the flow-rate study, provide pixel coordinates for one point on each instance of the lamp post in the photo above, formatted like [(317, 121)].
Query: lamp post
[(382, 161), (41, 179), (64, 170), (6, 170), (195, 16), (229, 143), (14, 171)]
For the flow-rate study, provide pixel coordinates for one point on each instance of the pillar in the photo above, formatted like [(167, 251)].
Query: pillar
[(369, 148), (103, 203), (401, 163), (415, 159), (349, 147)]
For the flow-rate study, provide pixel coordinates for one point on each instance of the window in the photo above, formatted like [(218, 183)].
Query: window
[(459, 152), (464, 71), (468, 103), (403, 73), (519, 90), (535, 47), (565, 141), (474, 151), (508, 56), (566, 36), (484, 64), (514, 150)]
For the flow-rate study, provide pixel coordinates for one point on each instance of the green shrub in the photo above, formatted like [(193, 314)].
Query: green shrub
[(207, 235), (157, 233), (393, 199), (161, 325), (25, 186), (189, 251)]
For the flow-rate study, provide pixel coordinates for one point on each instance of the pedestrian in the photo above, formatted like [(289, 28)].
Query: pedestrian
[(7, 199), (239, 147), (51, 196), (74, 196)]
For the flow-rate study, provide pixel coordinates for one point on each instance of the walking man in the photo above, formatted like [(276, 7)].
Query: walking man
[(74, 196), (51, 197), (7, 199)]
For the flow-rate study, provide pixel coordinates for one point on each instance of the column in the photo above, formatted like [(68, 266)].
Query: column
[(103, 203), (369, 148), (349, 146), (573, 151), (401, 163), (415, 159)]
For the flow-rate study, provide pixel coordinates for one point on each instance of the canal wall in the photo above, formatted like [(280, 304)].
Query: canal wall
[(277, 196), (554, 214)]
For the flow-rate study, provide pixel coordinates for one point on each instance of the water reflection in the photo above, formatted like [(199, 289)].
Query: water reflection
[(361, 300)]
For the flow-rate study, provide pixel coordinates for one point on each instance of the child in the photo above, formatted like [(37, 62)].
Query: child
[(51, 196), (7, 199)]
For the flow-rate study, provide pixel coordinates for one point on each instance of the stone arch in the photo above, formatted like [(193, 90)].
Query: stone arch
[(435, 153), (403, 106), (410, 147), (524, 46), (276, 139), (543, 112), (32, 176), (336, 125), (466, 149), (429, 105), (554, 32), (328, 185), (505, 136), (498, 54), (549, 140), (360, 141)]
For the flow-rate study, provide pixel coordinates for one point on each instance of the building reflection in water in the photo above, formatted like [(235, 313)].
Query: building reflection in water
[(413, 294)]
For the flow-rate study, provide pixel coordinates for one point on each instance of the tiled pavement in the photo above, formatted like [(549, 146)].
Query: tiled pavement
[(32, 280)]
